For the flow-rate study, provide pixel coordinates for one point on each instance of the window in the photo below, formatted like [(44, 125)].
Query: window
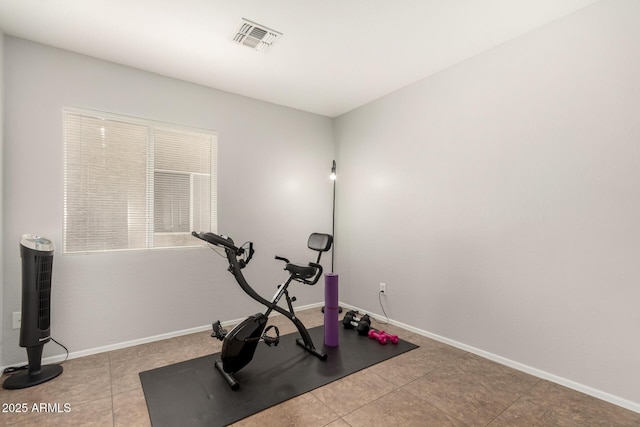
[(135, 184)]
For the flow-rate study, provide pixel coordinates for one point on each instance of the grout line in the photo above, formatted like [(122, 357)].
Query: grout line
[(514, 402), (310, 392)]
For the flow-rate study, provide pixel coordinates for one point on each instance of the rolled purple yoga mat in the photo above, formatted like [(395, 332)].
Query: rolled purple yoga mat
[(331, 309)]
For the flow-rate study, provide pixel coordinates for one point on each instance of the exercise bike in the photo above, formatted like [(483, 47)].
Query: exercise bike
[(239, 344)]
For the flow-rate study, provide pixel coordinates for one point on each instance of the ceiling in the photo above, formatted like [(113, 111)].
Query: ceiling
[(334, 55)]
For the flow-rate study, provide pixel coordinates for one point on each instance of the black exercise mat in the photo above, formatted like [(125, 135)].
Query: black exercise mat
[(193, 393)]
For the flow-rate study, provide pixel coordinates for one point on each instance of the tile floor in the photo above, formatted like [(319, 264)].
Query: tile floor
[(434, 385)]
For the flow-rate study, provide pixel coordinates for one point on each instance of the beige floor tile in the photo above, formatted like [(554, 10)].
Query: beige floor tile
[(304, 410), (127, 363), (130, 409), (352, 392), (192, 346), (125, 374), (472, 389), (400, 408), (338, 423), (403, 369), (549, 404)]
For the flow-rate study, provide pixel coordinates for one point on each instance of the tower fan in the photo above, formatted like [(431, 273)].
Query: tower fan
[(37, 266)]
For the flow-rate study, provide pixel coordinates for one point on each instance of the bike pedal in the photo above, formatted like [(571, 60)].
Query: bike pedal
[(271, 341), (218, 331)]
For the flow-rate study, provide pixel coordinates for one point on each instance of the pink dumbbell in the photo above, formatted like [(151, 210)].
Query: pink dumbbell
[(382, 336)]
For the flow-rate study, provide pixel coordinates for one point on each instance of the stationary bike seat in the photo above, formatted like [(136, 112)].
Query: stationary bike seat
[(301, 271)]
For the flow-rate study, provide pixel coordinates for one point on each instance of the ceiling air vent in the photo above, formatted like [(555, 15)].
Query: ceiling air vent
[(256, 36)]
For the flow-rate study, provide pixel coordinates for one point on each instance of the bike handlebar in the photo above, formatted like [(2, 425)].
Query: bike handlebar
[(245, 250), (279, 258), (217, 240)]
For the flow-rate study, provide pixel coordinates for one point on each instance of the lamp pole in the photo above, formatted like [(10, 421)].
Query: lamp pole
[(333, 177)]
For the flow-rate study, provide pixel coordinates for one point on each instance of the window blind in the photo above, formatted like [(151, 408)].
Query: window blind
[(135, 184)]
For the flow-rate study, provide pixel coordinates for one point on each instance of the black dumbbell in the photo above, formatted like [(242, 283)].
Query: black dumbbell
[(349, 318), (361, 324)]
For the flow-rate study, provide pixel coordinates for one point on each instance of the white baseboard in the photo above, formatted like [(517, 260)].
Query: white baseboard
[(607, 397)]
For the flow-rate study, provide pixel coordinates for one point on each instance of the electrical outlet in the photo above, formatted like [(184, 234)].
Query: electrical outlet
[(383, 288), (17, 319)]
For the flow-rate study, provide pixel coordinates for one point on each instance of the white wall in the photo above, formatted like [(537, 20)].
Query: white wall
[(273, 189), (1, 188), (499, 201)]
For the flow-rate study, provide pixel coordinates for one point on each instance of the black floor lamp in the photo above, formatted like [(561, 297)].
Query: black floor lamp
[(333, 177)]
